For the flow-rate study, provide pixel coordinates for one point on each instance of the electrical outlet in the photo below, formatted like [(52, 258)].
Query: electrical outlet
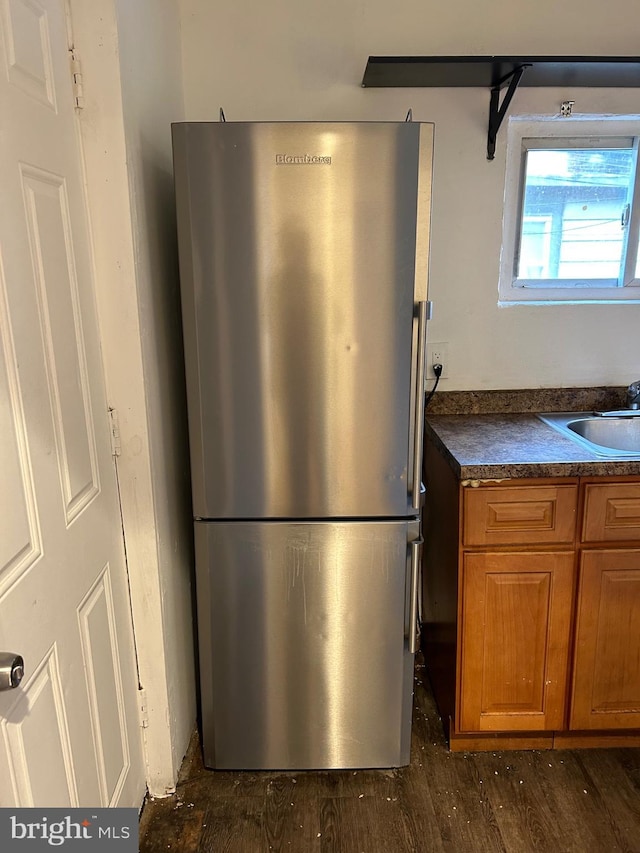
[(437, 354)]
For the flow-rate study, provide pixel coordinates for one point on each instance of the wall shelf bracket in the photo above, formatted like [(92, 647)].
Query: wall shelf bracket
[(498, 72), (498, 111)]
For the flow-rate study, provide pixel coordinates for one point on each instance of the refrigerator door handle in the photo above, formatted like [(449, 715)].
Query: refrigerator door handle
[(418, 427), (414, 642)]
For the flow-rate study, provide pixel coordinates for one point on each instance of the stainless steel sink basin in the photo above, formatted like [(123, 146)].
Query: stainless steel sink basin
[(605, 435), (615, 433)]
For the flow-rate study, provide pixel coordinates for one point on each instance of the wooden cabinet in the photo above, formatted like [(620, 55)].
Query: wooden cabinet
[(516, 612), (606, 675), (606, 678), (532, 596), (516, 622)]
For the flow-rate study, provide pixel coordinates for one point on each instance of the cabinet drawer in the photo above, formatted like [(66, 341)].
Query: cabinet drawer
[(611, 512), (519, 515)]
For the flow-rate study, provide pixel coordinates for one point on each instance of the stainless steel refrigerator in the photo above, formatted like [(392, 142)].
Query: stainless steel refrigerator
[(303, 264)]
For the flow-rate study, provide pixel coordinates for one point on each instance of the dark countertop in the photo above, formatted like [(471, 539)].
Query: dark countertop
[(504, 445)]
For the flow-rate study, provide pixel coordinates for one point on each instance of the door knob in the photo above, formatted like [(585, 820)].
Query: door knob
[(11, 670)]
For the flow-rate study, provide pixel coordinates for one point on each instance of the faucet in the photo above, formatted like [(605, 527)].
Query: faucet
[(633, 395)]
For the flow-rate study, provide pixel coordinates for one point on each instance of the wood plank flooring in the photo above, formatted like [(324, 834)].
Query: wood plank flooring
[(512, 802)]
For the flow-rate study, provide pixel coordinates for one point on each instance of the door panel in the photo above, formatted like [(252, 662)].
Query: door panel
[(36, 732), (20, 543), (303, 643), (606, 678), (28, 50), (69, 733), (50, 234), (298, 304), (517, 619)]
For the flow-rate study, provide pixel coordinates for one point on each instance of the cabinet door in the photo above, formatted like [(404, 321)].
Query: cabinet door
[(606, 681), (515, 641)]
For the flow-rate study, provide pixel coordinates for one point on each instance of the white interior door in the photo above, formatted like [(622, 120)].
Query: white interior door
[(69, 734)]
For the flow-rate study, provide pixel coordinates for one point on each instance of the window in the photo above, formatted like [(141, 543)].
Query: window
[(572, 211)]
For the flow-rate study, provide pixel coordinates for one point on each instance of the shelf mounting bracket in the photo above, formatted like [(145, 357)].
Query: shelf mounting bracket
[(498, 111)]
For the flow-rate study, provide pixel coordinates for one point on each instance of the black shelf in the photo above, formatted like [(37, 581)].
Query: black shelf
[(497, 72), (487, 71)]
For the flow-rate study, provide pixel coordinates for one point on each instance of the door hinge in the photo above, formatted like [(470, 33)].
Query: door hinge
[(76, 79), (144, 711), (114, 432)]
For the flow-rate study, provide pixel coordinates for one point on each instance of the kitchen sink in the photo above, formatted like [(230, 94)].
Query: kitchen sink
[(610, 434)]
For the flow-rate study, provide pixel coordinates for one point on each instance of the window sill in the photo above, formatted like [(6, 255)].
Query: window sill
[(537, 300)]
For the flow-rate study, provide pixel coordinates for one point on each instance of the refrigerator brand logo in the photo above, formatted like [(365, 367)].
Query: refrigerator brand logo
[(302, 160)]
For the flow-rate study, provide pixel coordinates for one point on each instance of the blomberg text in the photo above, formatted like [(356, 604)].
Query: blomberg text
[(301, 160)]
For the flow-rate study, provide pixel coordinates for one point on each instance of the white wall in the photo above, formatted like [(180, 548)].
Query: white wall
[(130, 55), (301, 60), (152, 96)]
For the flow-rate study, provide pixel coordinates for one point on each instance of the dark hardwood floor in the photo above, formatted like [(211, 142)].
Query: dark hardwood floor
[(558, 801)]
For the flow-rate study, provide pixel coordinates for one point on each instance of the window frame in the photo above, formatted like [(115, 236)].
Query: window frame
[(531, 132)]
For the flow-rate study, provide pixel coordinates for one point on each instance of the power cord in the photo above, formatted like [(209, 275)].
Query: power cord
[(437, 369)]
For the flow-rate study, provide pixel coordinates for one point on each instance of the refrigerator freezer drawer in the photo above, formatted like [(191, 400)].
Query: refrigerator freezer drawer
[(304, 642)]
